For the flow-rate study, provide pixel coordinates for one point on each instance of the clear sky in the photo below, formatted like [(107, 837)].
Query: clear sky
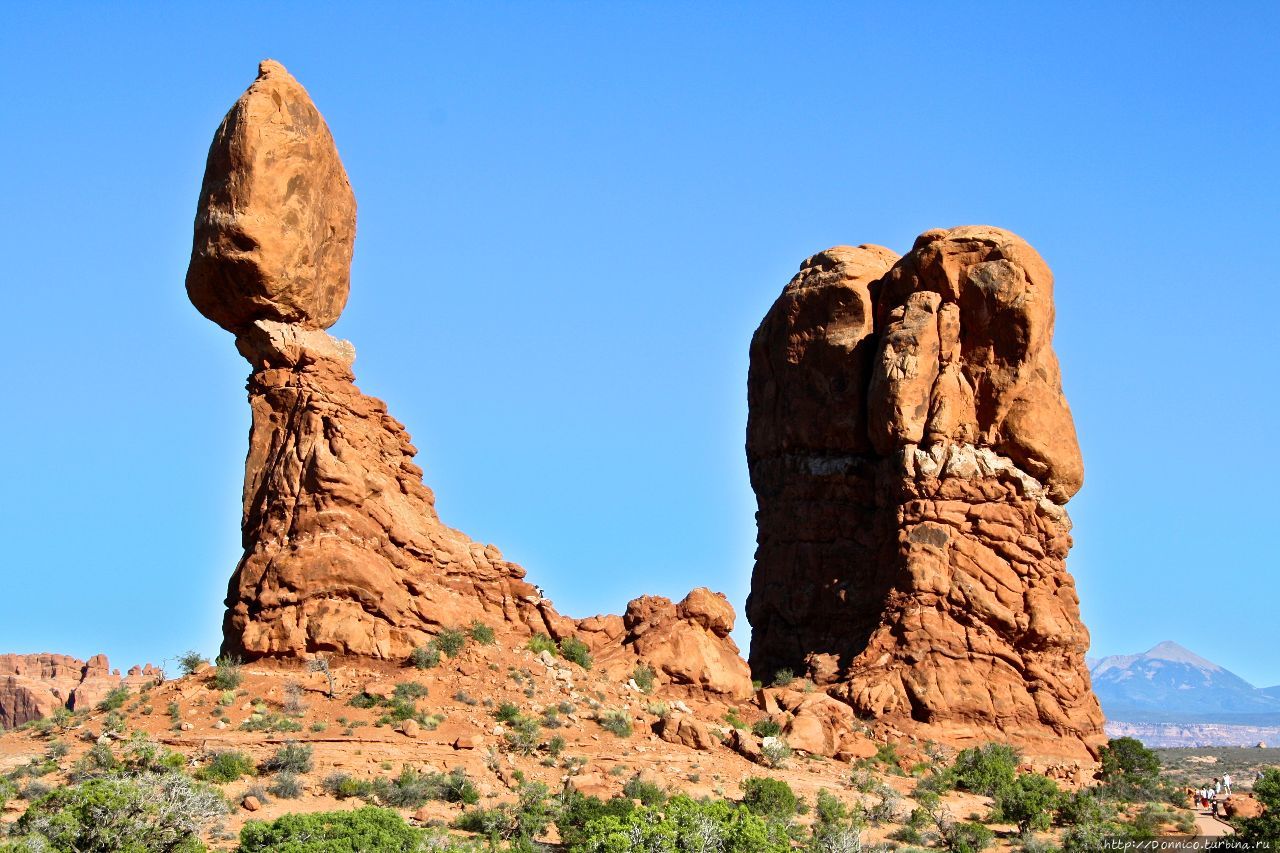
[(573, 216)]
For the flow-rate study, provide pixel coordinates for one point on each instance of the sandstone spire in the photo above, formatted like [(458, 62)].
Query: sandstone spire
[(343, 550), (911, 450)]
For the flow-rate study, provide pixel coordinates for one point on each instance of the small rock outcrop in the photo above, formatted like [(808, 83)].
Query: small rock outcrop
[(34, 686), (343, 550), (911, 452)]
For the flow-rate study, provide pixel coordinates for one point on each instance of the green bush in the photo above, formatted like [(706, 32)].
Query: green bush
[(967, 837), (518, 823), (8, 790), (411, 788), (573, 649), (410, 690), (766, 728), (226, 766), (1267, 827), (368, 830), (342, 786), (769, 797), (617, 722), (450, 641), (1030, 802), (643, 676), (539, 643), (783, 677), (191, 661), (1130, 771), (1083, 807), (150, 812), (425, 658), (482, 634), (986, 769), (577, 810), (270, 723), (648, 793), (228, 675), (685, 825), (115, 699), (290, 758)]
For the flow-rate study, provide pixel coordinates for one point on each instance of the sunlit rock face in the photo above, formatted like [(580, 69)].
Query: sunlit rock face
[(911, 452)]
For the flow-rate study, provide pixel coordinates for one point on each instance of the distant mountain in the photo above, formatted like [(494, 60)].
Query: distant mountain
[(1169, 684)]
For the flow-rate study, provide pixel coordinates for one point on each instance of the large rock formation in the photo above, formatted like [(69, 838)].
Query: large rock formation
[(343, 550), (911, 452), (34, 686)]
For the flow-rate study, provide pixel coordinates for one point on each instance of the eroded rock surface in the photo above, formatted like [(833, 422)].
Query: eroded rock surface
[(911, 450)]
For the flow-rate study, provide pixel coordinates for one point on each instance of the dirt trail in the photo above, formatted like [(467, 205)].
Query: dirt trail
[(1208, 825)]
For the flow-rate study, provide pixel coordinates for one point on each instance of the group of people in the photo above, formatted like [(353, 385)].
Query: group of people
[(1207, 797)]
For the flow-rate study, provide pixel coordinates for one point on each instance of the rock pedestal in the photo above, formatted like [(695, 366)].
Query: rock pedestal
[(911, 451)]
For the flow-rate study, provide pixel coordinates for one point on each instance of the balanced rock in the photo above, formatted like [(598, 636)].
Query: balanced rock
[(911, 451), (343, 550), (276, 221)]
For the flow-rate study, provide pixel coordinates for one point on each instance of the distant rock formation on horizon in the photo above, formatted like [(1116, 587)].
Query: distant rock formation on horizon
[(34, 686), (911, 452), (343, 550)]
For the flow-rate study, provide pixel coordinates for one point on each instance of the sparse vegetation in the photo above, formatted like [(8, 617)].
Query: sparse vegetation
[(769, 797), (617, 722), (766, 728), (643, 676), (290, 758), (425, 657), (450, 641), (539, 643), (115, 699), (228, 675), (576, 651), (482, 634), (986, 769), (783, 677), (286, 785), (191, 661)]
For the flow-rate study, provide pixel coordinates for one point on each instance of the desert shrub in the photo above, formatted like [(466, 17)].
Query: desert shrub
[(887, 755), (783, 677), (33, 791), (364, 700), (8, 790), (1030, 802), (450, 641), (1083, 807), (98, 761), (885, 807), (424, 657), (775, 752), (522, 735), (517, 823), (228, 675), (643, 676), (967, 837), (409, 690), (270, 722), (766, 728), (286, 785), (411, 788), (648, 793), (191, 661), (769, 797), (686, 825), (1267, 827), (577, 810), (465, 698), (290, 758), (142, 755), (154, 811), (539, 643), (369, 830), (986, 769), (573, 649), (114, 700), (293, 704), (226, 766), (835, 829), (343, 786), (617, 722), (1130, 771), (482, 633), (507, 712), (731, 717)]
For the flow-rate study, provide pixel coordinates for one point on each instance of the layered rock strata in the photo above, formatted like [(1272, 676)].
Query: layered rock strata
[(911, 452), (34, 686), (343, 550)]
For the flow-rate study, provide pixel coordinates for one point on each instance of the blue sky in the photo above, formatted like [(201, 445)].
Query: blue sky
[(573, 216)]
